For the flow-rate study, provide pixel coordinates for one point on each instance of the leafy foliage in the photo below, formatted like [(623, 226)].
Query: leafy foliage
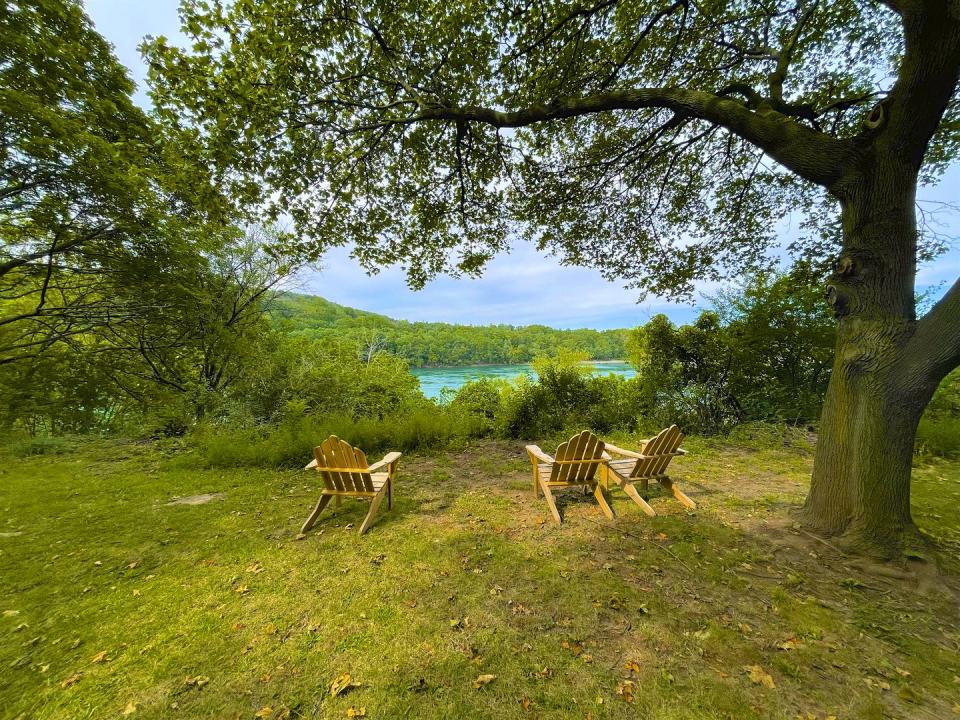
[(94, 202), (425, 344), (625, 136), (763, 353)]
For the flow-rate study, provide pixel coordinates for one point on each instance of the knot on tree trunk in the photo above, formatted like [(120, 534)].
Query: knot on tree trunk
[(877, 117), (837, 300), (838, 292)]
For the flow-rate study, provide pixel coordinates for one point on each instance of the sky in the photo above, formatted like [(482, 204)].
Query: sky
[(520, 288)]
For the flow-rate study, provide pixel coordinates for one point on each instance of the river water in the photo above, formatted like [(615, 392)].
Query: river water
[(433, 380)]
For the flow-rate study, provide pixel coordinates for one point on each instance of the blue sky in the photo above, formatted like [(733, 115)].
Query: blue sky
[(519, 288)]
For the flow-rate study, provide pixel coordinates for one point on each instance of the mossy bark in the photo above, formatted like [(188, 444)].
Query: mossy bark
[(860, 487)]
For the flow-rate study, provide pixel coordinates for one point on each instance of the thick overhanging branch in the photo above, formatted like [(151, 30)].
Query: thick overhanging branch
[(814, 156), (934, 349)]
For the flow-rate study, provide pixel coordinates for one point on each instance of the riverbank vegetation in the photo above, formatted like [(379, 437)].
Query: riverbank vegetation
[(429, 344)]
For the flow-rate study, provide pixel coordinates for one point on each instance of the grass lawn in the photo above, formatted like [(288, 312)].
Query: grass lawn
[(115, 604)]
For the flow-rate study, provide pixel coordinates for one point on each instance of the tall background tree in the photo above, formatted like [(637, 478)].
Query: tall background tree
[(659, 141), (93, 199)]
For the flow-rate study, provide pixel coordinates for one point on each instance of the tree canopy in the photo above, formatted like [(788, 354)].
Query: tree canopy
[(646, 138), (93, 201)]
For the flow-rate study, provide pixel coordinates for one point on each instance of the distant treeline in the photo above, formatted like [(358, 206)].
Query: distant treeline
[(425, 344)]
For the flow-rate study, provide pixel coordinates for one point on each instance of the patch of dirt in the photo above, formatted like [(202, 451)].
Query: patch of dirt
[(197, 499)]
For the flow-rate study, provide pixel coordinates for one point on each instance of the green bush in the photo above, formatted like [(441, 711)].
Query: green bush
[(563, 396), (939, 430), (291, 443), (939, 436), (29, 446)]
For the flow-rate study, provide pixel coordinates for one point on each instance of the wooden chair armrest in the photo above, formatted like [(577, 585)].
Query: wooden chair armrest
[(388, 459), (621, 451), (313, 464), (535, 452)]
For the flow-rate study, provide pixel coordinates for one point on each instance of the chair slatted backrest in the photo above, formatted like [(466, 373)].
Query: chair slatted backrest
[(336, 460), (658, 453), (577, 459)]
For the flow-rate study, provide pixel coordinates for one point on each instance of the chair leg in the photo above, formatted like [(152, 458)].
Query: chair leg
[(374, 506), (389, 493), (336, 503), (598, 494), (631, 491), (553, 505), (646, 489), (684, 500), (536, 482), (321, 504)]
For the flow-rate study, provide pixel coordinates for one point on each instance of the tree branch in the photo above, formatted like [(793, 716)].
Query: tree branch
[(811, 154), (785, 56), (934, 349), (926, 81)]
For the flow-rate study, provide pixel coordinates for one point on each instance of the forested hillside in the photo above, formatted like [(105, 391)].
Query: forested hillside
[(424, 344)]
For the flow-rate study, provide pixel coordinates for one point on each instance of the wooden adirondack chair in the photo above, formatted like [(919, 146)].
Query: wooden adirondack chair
[(575, 465), (649, 464), (345, 473)]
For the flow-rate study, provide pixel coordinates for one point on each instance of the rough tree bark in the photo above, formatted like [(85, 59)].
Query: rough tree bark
[(861, 477), (887, 365)]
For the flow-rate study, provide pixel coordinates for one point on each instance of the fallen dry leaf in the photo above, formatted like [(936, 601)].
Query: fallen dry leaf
[(197, 681), (575, 648), (633, 667), (759, 676), (10, 613), (789, 644), (343, 683), (356, 712), (241, 590), (99, 657), (483, 680), (264, 712), (130, 709), (525, 702), (72, 680), (625, 690)]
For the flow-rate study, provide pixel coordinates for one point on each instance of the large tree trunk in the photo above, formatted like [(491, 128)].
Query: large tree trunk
[(861, 478)]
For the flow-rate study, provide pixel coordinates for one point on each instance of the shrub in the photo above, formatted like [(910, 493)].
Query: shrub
[(939, 430), (291, 443), (29, 446), (939, 436)]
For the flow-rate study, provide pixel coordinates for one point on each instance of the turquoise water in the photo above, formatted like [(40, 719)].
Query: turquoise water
[(433, 380)]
